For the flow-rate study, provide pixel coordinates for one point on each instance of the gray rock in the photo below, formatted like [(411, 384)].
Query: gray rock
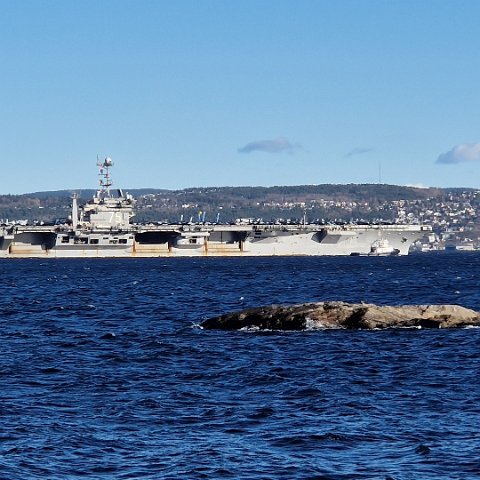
[(345, 315)]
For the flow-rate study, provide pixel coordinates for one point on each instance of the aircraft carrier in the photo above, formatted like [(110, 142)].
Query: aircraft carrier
[(102, 227)]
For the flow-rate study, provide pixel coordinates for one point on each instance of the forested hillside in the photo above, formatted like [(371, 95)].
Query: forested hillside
[(323, 203)]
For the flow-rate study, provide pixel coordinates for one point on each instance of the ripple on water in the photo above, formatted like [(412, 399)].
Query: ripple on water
[(103, 376)]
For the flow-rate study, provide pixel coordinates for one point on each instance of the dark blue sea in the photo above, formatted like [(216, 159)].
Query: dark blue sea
[(105, 374)]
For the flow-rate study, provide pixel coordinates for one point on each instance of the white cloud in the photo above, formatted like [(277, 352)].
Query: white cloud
[(465, 152), (277, 145)]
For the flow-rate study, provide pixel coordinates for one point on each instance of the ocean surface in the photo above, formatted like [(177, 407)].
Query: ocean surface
[(105, 373)]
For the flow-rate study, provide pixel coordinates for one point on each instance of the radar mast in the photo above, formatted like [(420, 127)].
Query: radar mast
[(105, 180)]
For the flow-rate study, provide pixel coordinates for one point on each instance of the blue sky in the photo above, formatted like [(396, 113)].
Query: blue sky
[(216, 93)]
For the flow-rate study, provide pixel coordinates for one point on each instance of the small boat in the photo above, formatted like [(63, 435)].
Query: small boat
[(382, 247)]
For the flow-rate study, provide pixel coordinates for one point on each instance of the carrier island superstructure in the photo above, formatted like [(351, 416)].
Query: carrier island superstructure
[(102, 227)]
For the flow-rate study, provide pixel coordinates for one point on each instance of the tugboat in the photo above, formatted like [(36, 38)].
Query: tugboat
[(382, 248)]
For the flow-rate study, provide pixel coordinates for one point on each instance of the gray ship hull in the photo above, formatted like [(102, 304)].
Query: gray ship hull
[(200, 240)]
